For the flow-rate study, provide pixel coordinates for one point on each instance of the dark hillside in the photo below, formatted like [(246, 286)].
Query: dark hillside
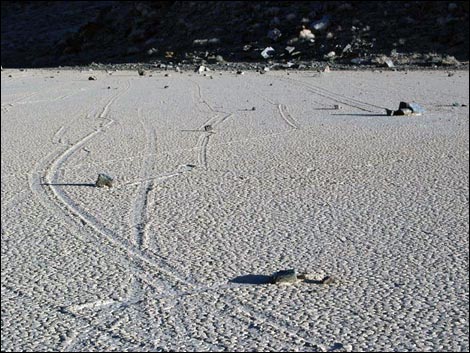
[(49, 33)]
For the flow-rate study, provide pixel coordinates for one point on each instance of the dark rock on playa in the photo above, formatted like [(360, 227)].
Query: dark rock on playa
[(104, 180), (407, 109), (285, 277)]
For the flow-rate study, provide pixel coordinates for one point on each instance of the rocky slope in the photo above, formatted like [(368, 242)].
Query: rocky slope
[(47, 33)]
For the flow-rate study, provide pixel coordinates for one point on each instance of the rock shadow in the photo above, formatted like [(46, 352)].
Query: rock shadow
[(69, 184), (252, 279), (360, 114)]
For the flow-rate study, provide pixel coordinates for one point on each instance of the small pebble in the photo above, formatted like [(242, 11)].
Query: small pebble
[(327, 280)]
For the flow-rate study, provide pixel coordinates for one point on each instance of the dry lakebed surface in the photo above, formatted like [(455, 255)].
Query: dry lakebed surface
[(220, 180)]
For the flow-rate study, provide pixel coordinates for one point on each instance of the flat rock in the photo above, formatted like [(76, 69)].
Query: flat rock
[(104, 180), (285, 277)]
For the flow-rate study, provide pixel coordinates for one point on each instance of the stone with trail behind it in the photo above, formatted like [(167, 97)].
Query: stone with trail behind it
[(285, 277), (104, 180)]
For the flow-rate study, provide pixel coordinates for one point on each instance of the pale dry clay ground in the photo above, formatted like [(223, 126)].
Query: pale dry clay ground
[(379, 202)]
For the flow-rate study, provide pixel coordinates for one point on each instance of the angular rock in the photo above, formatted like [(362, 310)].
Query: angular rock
[(186, 167), (407, 109), (389, 63), (383, 61), (266, 69), (415, 108), (347, 48), (104, 180), (289, 49), (201, 69), (285, 277), (268, 52)]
